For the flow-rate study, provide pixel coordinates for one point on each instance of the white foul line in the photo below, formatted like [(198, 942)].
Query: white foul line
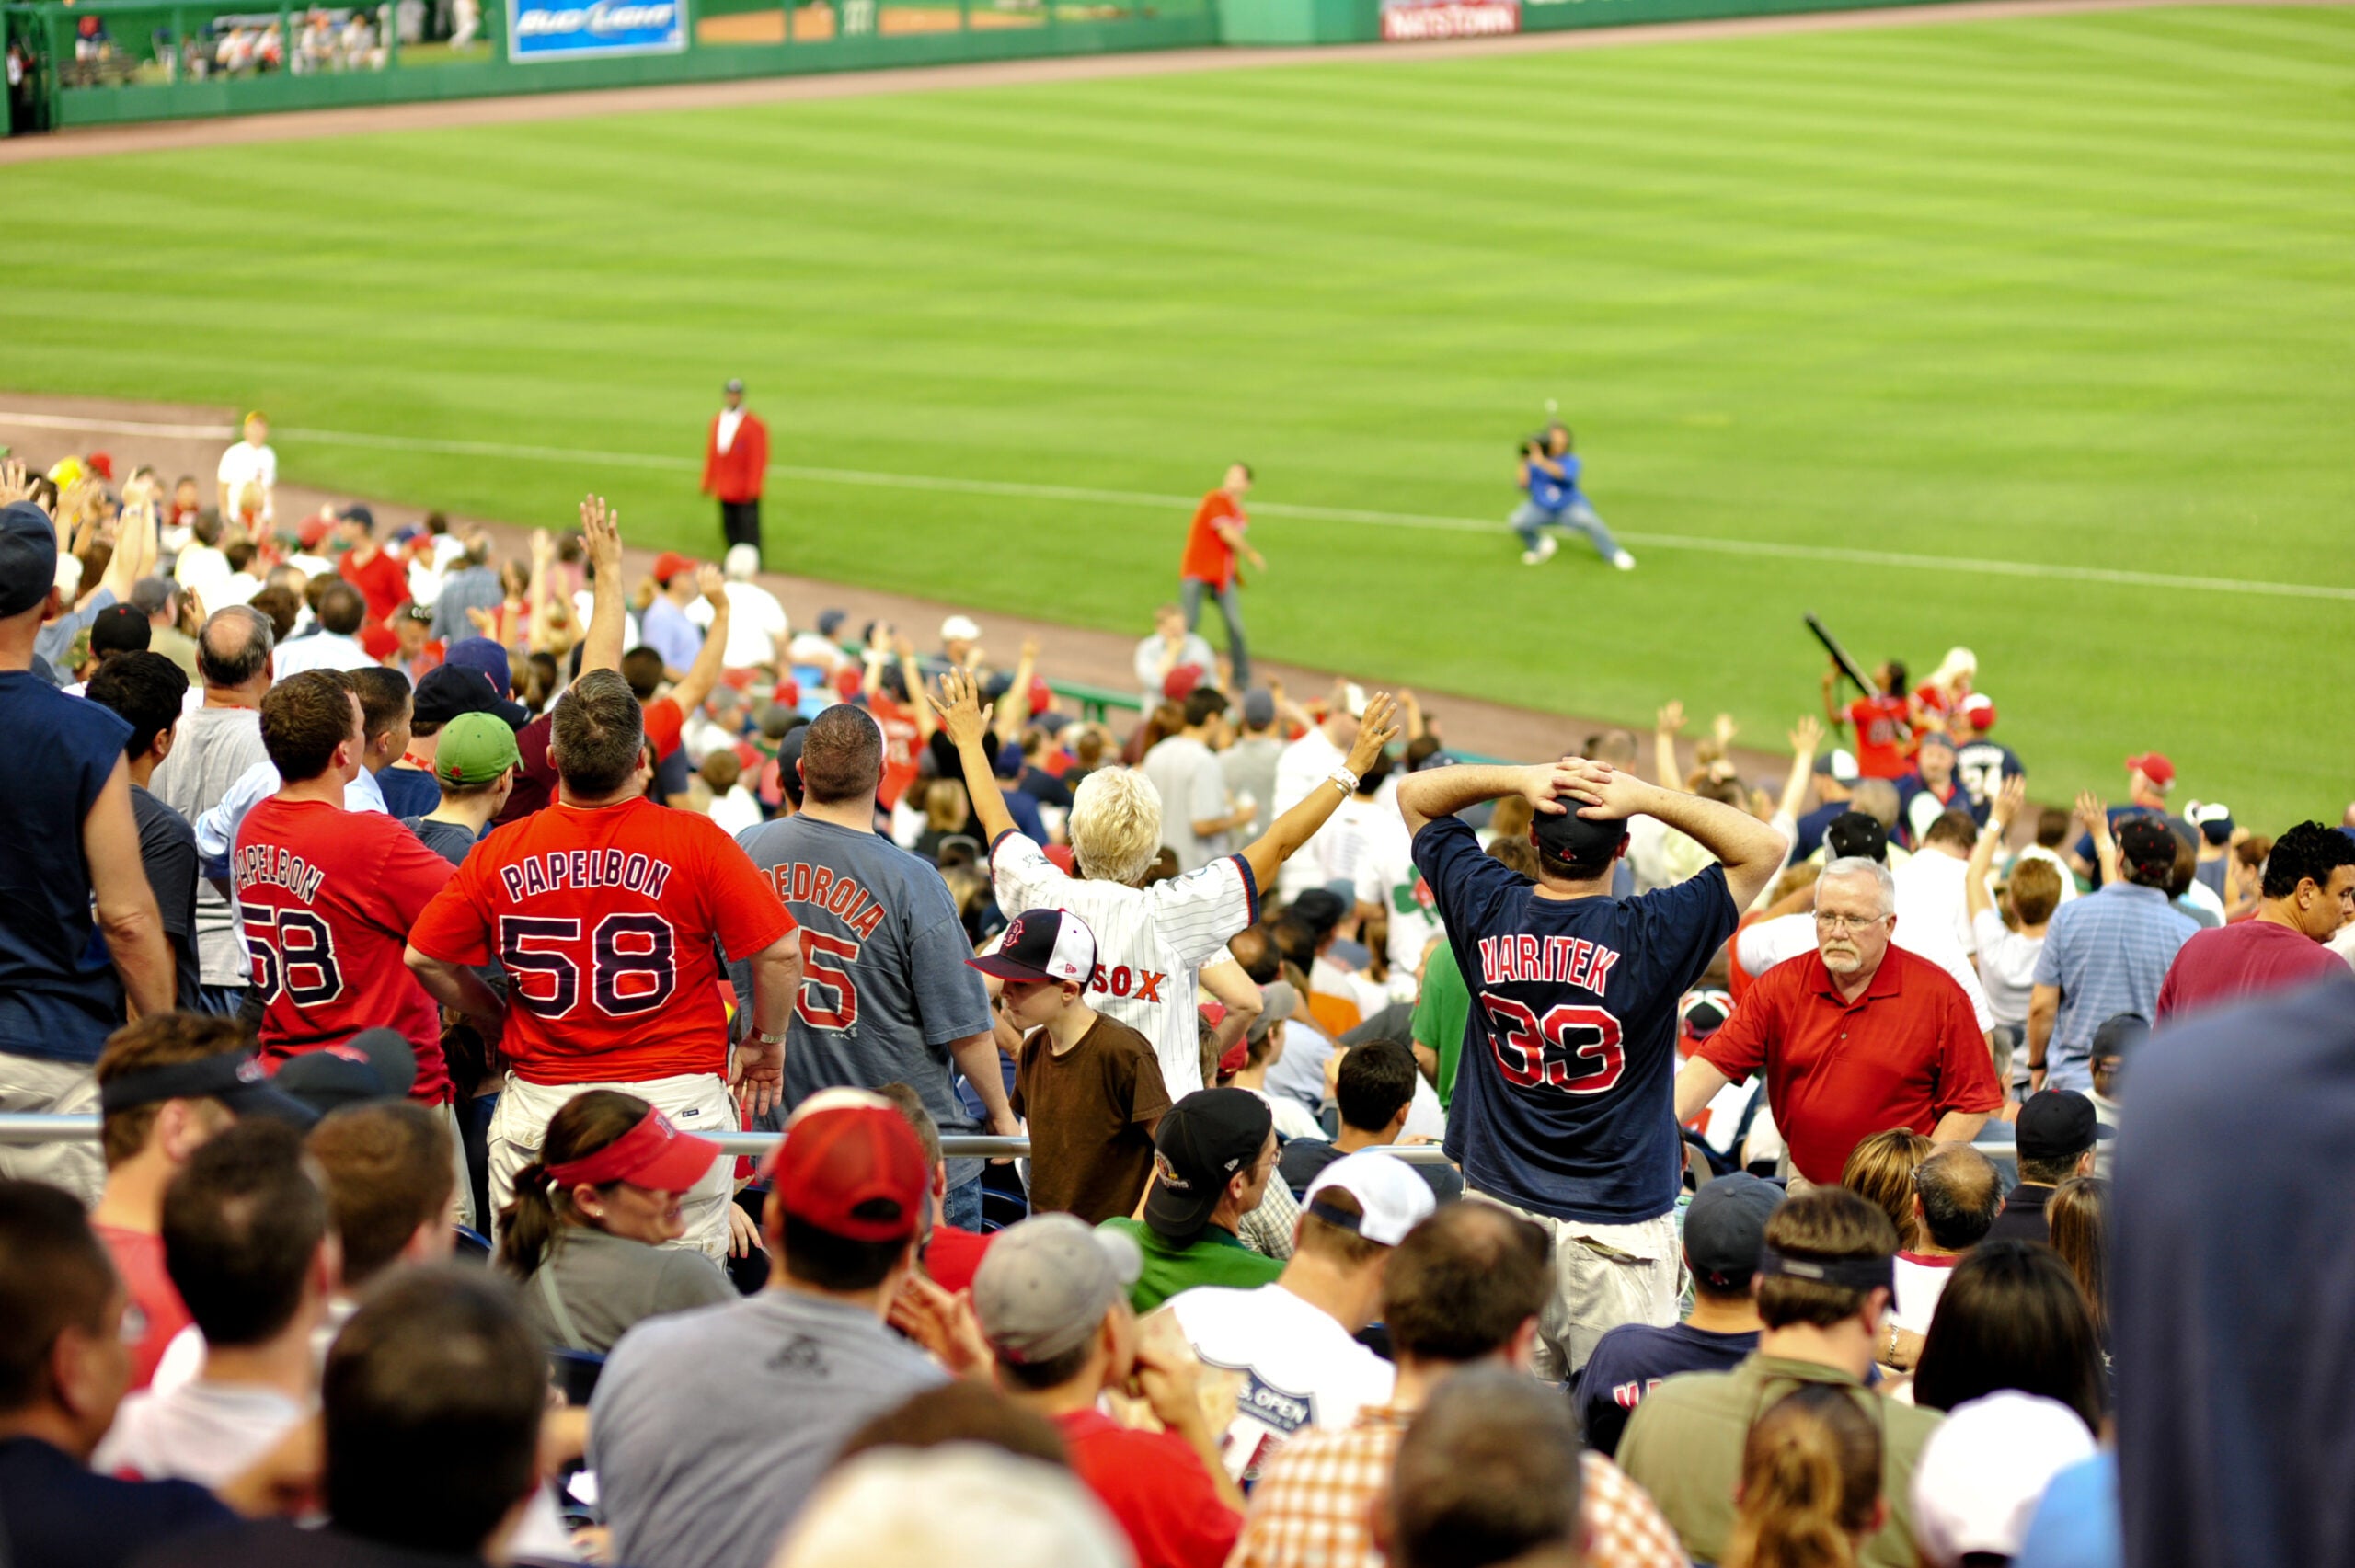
[(1757, 548)]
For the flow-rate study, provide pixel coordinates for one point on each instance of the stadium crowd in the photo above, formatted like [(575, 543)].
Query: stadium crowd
[(1429, 1160)]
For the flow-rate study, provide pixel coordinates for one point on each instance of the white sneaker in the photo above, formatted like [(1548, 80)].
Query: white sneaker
[(1530, 557), (1623, 561), (1547, 545)]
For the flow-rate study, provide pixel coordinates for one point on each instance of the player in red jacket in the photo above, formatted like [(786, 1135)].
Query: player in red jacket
[(735, 461)]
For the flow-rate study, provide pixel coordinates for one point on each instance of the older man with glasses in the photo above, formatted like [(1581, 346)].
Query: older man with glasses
[(1855, 1037)]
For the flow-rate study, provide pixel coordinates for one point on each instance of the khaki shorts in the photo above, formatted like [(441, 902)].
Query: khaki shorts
[(698, 1101), (1603, 1276), (35, 1085)]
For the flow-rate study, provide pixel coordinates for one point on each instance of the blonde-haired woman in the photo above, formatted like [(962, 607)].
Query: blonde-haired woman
[(1810, 1484)]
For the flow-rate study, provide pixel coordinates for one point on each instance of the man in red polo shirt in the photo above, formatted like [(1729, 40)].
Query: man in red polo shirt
[(1211, 545), (2308, 893), (1856, 1037)]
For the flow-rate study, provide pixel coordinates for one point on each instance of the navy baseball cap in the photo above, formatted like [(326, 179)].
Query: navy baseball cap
[(2058, 1124), (1575, 838), (27, 557), (2120, 1035), (450, 690), (238, 1079), (1857, 833), (1725, 1227), (374, 1064), (480, 653)]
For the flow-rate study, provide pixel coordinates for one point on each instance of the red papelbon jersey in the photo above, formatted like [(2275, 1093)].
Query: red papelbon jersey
[(607, 920), (325, 899)]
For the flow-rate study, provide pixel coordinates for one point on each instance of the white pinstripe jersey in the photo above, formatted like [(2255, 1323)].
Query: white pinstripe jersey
[(1151, 942)]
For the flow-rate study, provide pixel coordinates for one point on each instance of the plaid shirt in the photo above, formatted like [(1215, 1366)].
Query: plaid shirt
[(1268, 1230), (1309, 1509), (2109, 952)]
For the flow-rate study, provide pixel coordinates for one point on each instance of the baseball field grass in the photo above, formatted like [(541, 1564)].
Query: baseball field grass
[(2034, 335)]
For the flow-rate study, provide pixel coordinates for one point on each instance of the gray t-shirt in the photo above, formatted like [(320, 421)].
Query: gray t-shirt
[(452, 841), (884, 986), (1187, 776), (211, 751), (1250, 768), (609, 1283), (710, 1429), (168, 849)]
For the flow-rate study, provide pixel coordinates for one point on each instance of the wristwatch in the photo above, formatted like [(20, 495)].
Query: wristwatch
[(757, 1038)]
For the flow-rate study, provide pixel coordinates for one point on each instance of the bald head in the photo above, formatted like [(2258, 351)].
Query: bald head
[(233, 648), (1959, 1191)]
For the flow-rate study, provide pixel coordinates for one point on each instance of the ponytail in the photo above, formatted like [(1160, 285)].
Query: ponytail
[(1810, 1478), (529, 1225)]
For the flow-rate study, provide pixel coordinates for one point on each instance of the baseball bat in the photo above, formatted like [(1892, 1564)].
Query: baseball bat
[(1839, 655)]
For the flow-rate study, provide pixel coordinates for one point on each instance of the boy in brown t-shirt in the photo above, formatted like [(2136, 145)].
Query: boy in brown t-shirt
[(1089, 1086)]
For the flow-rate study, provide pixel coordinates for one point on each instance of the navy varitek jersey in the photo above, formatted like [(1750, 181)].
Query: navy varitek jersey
[(1564, 1102)]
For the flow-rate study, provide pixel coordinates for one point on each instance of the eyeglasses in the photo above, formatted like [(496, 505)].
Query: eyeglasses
[(1825, 921)]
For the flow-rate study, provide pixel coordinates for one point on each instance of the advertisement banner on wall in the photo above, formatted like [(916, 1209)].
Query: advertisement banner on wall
[(1408, 21), (568, 29)]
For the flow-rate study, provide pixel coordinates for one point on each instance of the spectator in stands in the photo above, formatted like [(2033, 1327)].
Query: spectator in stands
[(1249, 763), (1297, 1335), (665, 625), (474, 585), (586, 1233), (1725, 1228), (391, 1174), (1811, 1482), (1881, 1170), (1883, 720), (2012, 1316), (2105, 954), (1322, 750), (1489, 1473), (984, 1508), (64, 1362), (432, 1405), (1184, 771), (146, 689), (79, 926), (1088, 1087), (950, 1256), (475, 760), (2308, 894), (376, 573), (1957, 1193), (888, 997), (386, 705), (1823, 1295), (710, 1429), (1373, 1092), (1922, 1062), (248, 1247), (443, 695), (1214, 1154), (1174, 645), (760, 630), (1051, 1298), (250, 461), (166, 1083), (334, 646), (2006, 942), (160, 600), (2078, 1216), (1984, 1473), (963, 1411), (2057, 1133)]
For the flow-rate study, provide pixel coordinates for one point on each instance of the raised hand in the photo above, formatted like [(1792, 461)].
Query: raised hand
[(601, 532), (1544, 784), (712, 583), (958, 701), (1724, 728), (1376, 730), (2092, 812), (486, 620), (1806, 736), (2008, 801), (1672, 717)]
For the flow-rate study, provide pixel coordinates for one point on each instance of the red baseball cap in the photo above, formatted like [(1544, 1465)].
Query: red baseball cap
[(1182, 682), (653, 1154), (314, 531), (2154, 767), (670, 564), (101, 465), (1979, 709), (1041, 696), (841, 1160)]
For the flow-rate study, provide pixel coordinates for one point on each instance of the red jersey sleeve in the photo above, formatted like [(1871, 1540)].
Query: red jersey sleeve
[(745, 911), (409, 878), (1966, 1073), (454, 928), (1739, 1050), (664, 724)]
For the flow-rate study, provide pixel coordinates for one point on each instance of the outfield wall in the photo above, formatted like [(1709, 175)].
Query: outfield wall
[(160, 60)]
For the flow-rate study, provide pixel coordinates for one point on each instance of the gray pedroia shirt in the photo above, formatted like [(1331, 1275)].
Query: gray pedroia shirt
[(212, 749), (610, 1283), (710, 1429), (884, 986)]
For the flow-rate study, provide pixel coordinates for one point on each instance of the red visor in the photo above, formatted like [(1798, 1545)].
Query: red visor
[(653, 1154)]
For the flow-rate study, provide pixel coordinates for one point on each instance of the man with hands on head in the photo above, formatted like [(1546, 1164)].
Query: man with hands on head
[(1562, 1108), (1155, 944)]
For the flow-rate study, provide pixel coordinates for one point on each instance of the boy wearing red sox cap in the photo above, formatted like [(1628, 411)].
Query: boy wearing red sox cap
[(710, 1429), (1089, 1086)]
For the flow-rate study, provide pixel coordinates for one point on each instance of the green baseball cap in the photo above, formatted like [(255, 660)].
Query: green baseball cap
[(475, 748)]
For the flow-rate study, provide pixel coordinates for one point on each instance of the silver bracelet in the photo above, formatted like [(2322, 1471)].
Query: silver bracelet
[(1346, 779)]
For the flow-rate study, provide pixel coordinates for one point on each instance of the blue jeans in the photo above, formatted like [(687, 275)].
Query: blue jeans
[(1577, 517), (962, 1207), (1190, 598)]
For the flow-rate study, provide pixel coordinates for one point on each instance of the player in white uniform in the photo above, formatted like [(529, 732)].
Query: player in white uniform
[(1155, 946)]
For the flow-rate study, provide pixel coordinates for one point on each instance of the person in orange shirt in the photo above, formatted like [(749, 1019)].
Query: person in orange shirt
[(1211, 545)]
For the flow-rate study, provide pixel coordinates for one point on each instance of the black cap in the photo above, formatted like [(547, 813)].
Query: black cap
[(238, 1079), (121, 628), (1857, 833), (1319, 908), (1575, 838), (450, 690), (1724, 1228), (1204, 1140), (27, 557), (2118, 1036), (2058, 1124), (359, 514), (2147, 843), (788, 763), (375, 1064)]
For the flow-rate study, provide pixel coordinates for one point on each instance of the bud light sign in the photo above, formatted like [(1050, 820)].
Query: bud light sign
[(567, 29)]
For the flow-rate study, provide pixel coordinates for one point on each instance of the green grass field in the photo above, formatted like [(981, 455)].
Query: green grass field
[(2075, 293)]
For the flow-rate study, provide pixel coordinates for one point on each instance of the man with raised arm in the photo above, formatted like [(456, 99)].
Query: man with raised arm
[(1153, 945), (1562, 1108)]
